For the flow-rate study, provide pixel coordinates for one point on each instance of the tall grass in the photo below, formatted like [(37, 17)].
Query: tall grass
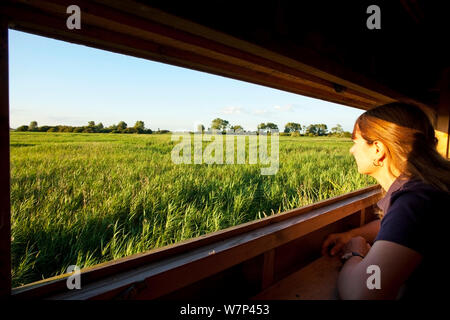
[(89, 198)]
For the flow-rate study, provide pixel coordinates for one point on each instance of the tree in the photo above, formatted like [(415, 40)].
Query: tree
[(312, 130), (121, 126), (316, 129), (303, 129), (322, 129), (92, 127), (33, 126), (130, 130), (43, 128), (338, 131), (270, 125), (262, 126), (139, 126), (65, 129), (237, 128), (22, 128), (219, 124), (292, 127)]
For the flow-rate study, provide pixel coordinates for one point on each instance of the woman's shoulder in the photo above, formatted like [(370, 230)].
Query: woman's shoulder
[(415, 200), (418, 191), (412, 216)]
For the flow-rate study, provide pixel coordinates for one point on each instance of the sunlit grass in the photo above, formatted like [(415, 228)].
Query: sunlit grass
[(88, 198)]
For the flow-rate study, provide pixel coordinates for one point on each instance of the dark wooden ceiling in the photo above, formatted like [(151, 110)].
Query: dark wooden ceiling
[(407, 54), (321, 49)]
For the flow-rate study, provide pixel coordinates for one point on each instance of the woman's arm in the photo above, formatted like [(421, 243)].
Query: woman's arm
[(368, 231), (335, 242), (394, 262)]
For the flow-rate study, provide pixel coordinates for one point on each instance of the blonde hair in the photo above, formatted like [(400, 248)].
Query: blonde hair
[(410, 140)]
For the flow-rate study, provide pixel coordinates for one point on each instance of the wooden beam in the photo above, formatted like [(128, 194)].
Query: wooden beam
[(268, 269), (362, 217), (152, 34), (113, 30), (5, 214), (443, 116), (307, 60)]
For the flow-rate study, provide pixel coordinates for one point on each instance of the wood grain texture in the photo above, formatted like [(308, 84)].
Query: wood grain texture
[(316, 281), (268, 268), (135, 29)]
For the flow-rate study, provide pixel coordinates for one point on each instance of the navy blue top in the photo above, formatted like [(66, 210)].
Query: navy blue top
[(416, 216)]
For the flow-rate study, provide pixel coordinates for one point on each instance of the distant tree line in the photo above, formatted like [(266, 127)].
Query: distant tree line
[(121, 127), (290, 128)]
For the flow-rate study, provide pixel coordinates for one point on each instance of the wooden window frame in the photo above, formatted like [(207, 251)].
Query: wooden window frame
[(129, 28)]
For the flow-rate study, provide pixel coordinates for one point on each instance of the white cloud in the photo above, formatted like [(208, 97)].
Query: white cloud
[(232, 110), (274, 110), (260, 111), (284, 108)]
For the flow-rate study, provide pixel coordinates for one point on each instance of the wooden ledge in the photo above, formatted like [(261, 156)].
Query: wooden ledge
[(316, 281)]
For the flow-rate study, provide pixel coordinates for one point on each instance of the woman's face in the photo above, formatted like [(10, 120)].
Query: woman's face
[(362, 152)]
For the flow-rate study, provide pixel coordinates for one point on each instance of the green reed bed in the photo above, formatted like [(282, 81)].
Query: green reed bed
[(84, 199)]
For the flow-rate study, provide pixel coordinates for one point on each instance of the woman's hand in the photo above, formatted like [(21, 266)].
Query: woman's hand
[(357, 244), (335, 242)]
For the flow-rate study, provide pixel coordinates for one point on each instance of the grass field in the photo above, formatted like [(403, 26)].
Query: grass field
[(88, 198)]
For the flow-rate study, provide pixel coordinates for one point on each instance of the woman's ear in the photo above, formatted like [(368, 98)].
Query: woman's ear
[(379, 149)]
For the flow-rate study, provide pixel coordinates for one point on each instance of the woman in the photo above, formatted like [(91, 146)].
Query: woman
[(395, 144)]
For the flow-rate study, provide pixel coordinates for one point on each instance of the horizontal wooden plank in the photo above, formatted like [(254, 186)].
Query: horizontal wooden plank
[(112, 36), (144, 29), (210, 51), (309, 62)]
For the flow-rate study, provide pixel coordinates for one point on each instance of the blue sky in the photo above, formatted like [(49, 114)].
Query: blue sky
[(55, 82)]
